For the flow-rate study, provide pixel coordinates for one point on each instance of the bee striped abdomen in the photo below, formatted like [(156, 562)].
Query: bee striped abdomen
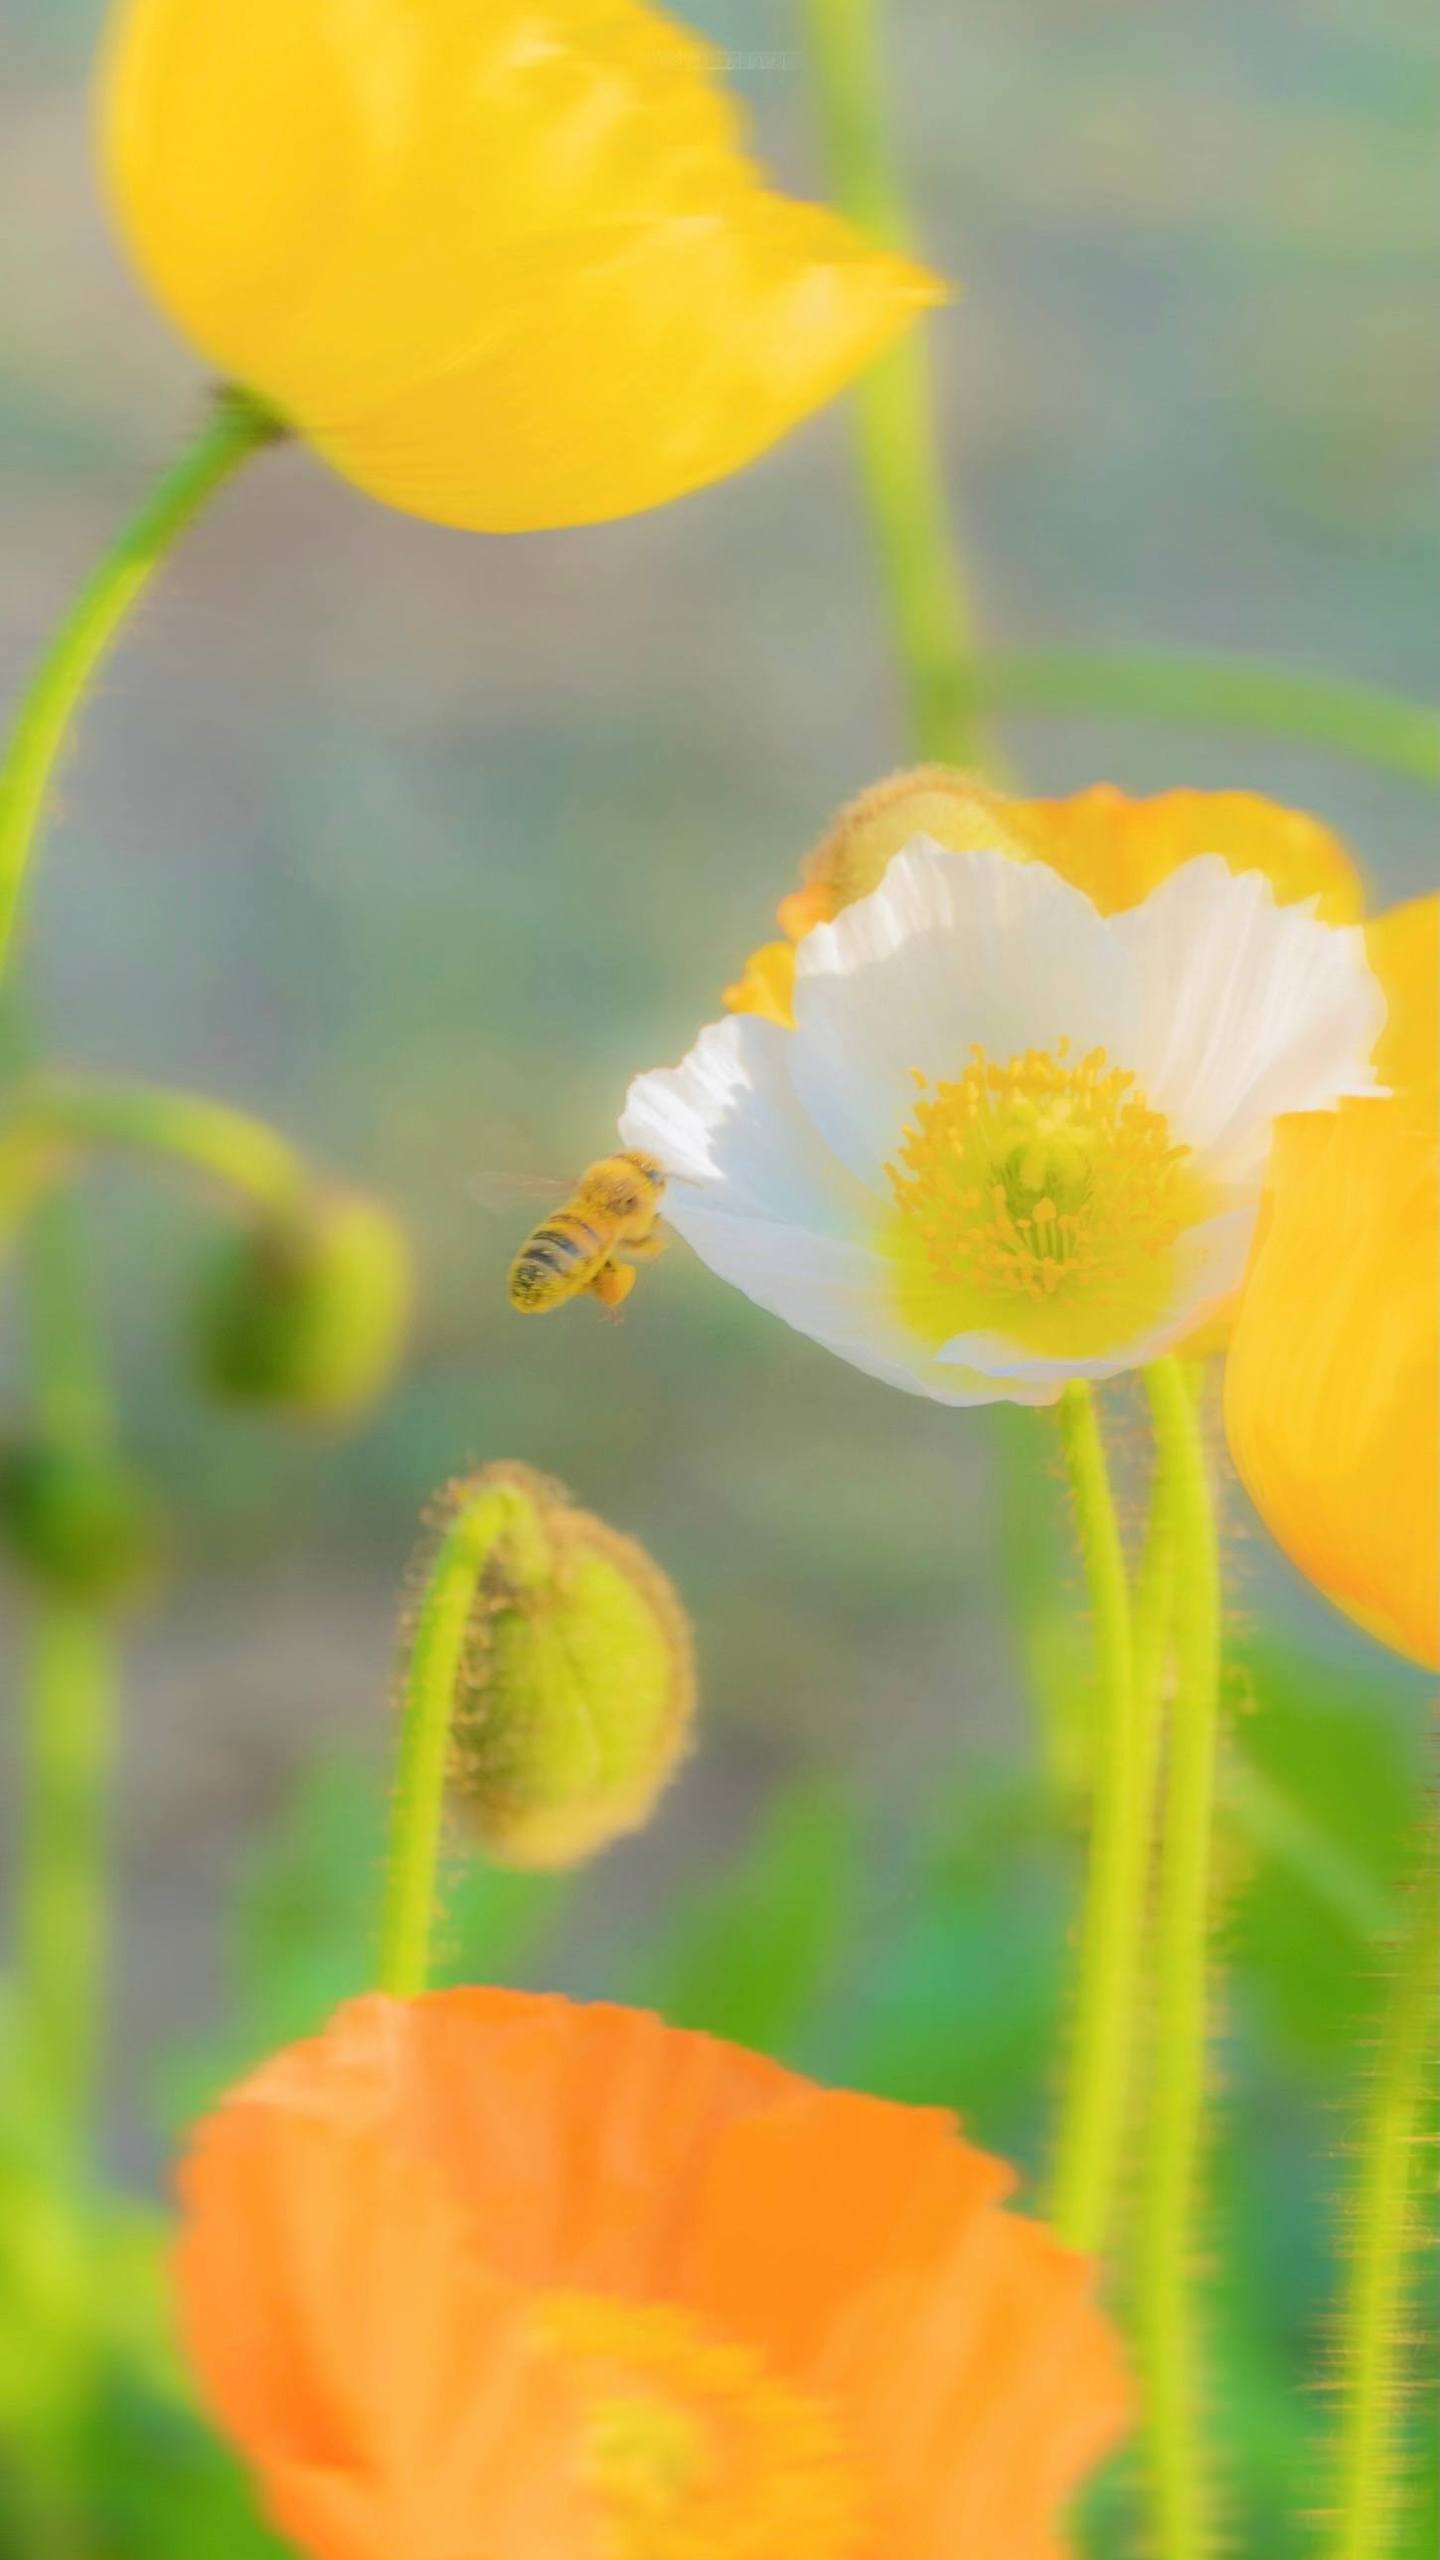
[(555, 1260)]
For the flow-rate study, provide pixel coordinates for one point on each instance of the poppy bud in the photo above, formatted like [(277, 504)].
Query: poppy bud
[(577, 1692), (80, 1520), (306, 1312), (954, 809)]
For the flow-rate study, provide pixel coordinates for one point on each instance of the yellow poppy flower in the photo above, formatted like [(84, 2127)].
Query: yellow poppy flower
[(1332, 1388), (503, 263), (1114, 849)]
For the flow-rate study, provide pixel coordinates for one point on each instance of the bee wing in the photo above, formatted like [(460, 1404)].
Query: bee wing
[(501, 1191)]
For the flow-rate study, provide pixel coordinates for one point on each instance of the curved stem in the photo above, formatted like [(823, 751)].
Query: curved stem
[(1093, 2123), (437, 1654), (240, 1152), (69, 1722), (1384, 2250), (236, 427), (894, 402), (1166, 2237), (1241, 694)]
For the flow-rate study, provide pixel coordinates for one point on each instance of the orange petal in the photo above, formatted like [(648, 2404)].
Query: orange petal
[(1333, 1381), (504, 265), (861, 2243), (370, 2210), (1117, 849), (381, 2381)]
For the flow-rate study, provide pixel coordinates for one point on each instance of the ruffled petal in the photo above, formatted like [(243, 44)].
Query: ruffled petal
[(861, 2244), (1117, 849), (950, 950), (377, 2375), (1247, 1010), (505, 266), (767, 1206)]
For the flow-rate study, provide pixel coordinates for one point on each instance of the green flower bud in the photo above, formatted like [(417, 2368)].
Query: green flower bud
[(577, 1694), (307, 1312), (81, 1521)]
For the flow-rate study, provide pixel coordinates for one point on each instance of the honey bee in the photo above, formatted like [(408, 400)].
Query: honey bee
[(591, 1243)]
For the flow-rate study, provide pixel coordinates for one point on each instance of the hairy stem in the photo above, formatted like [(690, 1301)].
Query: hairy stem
[(437, 1655), (894, 402), (1166, 2247), (1385, 2245), (1093, 2118), (234, 429)]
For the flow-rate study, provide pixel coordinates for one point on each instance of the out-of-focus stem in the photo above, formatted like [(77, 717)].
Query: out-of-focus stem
[(1173, 2412), (1385, 2248), (230, 1146), (1244, 695), (68, 1724), (1093, 2119), (235, 428), (894, 401), (437, 1653)]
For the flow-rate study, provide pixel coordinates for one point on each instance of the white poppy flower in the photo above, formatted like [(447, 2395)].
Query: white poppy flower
[(1010, 1141)]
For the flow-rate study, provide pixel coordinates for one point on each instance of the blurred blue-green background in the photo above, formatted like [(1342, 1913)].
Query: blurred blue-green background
[(420, 844)]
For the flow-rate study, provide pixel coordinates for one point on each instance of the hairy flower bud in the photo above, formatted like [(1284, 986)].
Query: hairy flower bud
[(79, 1520), (307, 1312), (577, 1693), (955, 809)]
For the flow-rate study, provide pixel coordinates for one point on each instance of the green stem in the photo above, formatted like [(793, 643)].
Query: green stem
[(437, 1655), (894, 402), (240, 1152), (1093, 2121), (1166, 2245), (1384, 2252), (1241, 694), (69, 1725), (235, 428)]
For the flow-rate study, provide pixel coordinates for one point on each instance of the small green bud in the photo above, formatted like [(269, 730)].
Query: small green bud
[(307, 1312), (577, 1695), (81, 1521)]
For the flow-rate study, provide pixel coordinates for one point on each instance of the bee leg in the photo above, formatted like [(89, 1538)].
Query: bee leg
[(645, 1248), (612, 1284)]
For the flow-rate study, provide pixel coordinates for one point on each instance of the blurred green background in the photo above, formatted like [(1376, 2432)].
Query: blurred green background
[(420, 844)]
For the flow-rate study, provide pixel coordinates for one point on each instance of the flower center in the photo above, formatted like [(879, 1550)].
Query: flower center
[(692, 2447), (1043, 1195)]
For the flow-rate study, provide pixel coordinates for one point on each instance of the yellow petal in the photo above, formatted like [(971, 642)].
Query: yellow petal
[(1117, 849), (766, 985), (1332, 1387), (1404, 950), (505, 265)]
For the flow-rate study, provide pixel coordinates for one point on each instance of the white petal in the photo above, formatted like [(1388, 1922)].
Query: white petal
[(1246, 1010), (1211, 1261), (838, 1294), (727, 1120), (952, 948), (756, 1191)]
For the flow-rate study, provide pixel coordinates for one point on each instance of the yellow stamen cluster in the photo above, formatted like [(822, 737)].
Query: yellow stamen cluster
[(693, 2448), (1043, 1177)]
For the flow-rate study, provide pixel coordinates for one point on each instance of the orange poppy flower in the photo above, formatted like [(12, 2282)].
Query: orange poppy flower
[(488, 2276), (1113, 848)]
